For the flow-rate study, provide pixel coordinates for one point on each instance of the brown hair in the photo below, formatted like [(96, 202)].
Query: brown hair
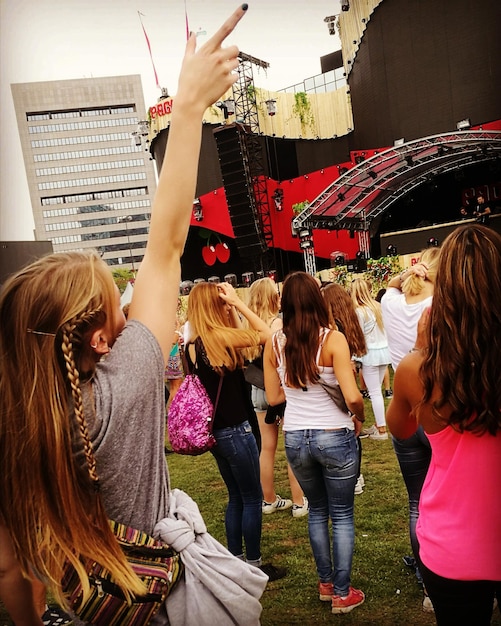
[(49, 503), (462, 364), (342, 317), (304, 314)]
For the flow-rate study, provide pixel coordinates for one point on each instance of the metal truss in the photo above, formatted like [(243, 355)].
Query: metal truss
[(246, 113), (366, 191)]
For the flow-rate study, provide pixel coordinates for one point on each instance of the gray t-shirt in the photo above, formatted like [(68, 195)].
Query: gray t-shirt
[(128, 432)]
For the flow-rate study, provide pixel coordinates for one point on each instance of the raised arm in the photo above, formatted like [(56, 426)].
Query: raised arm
[(230, 296), (205, 76)]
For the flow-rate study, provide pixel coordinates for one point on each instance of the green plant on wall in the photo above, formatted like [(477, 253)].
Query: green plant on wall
[(251, 92), (379, 271), (302, 108), (299, 207)]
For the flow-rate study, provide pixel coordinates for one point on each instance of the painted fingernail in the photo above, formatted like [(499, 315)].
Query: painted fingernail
[(245, 7)]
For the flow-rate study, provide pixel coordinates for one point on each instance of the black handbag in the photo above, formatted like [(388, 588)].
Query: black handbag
[(335, 393), (254, 375)]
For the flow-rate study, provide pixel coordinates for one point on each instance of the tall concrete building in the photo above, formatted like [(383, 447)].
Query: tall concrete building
[(91, 180)]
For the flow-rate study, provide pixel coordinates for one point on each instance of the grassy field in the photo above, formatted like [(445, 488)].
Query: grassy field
[(393, 597)]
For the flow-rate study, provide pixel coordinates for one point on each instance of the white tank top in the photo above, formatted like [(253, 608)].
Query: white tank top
[(313, 408)]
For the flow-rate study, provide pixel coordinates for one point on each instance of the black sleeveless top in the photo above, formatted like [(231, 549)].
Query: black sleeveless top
[(235, 404)]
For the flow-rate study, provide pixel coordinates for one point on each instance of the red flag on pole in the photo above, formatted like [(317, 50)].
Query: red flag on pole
[(149, 48), (186, 20)]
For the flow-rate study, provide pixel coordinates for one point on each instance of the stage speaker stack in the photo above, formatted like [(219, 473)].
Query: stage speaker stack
[(237, 181)]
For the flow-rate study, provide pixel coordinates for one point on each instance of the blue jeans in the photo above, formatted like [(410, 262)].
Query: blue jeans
[(237, 457), (325, 463), (414, 456)]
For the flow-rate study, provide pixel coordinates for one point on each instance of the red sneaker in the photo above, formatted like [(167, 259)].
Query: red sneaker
[(344, 605), (325, 591)]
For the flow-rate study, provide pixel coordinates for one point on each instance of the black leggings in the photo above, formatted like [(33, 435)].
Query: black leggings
[(461, 602)]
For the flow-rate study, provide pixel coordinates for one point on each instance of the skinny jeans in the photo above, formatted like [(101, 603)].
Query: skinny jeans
[(237, 457), (414, 456), (325, 463)]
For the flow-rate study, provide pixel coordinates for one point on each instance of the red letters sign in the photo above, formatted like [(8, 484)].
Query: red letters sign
[(162, 108)]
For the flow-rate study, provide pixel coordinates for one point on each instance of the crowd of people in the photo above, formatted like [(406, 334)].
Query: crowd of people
[(74, 370)]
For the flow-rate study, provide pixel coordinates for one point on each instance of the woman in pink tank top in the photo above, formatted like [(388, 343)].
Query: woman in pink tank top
[(450, 383)]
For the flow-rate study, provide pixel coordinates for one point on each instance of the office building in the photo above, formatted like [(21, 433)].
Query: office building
[(90, 176)]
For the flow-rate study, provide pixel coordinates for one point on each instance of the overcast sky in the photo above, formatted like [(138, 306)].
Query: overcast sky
[(53, 40)]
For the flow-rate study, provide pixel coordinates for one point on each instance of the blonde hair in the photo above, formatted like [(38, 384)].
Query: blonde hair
[(208, 319), (362, 298), (264, 301), (413, 285), (48, 502)]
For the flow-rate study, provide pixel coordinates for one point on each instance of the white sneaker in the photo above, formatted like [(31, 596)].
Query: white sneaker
[(427, 604), (373, 433), (359, 488), (299, 510), (280, 504)]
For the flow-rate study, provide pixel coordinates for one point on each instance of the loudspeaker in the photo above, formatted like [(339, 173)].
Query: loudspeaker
[(234, 164)]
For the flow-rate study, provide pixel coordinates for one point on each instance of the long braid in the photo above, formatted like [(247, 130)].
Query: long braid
[(76, 390), (71, 331)]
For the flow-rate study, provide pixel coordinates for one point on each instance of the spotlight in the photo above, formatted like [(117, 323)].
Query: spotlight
[(463, 124), (230, 106), (432, 242), (247, 279), (271, 106), (338, 258), (185, 287), (198, 213), (391, 250), (278, 199), (340, 196), (231, 279), (345, 5), (372, 174), (331, 24)]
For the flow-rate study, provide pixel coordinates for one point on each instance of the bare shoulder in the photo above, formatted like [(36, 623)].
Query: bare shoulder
[(407, 377)]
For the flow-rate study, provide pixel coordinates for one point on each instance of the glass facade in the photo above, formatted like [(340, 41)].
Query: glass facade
[(321, 83)]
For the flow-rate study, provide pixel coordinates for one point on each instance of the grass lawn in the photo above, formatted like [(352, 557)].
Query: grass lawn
[(393, 597)]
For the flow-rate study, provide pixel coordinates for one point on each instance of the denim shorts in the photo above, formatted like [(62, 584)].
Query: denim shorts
[(259, 401)]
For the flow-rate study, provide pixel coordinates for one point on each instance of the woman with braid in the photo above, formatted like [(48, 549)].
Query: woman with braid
[(70, 368)]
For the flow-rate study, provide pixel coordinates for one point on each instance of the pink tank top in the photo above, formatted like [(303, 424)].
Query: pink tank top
[(459, 525)]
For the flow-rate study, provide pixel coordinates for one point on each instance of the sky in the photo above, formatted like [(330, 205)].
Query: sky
[(52, 40)]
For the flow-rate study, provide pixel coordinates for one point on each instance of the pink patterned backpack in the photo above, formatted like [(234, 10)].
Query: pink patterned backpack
[(191, 416)]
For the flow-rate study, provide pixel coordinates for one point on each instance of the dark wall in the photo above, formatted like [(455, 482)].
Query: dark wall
[(416, 239), (424, 65), (14, 255), (331, 61), (283, 159)]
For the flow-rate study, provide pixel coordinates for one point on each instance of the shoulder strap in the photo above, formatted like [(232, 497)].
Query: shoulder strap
[(324, 333), (277, 349)]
